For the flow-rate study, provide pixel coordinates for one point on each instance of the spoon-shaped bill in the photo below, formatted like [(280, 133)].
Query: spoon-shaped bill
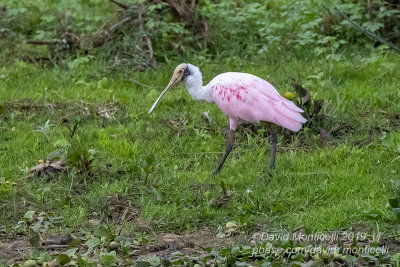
[(174, 80)]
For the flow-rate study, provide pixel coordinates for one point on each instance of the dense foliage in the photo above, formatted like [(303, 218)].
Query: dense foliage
[(209, 28)]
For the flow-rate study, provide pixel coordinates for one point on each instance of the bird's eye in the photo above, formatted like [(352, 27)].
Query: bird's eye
[(180, 71)]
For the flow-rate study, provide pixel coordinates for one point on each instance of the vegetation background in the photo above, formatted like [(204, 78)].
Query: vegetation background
[(78, 77)]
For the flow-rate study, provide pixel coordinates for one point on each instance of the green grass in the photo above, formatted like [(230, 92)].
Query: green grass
[(344, 183)]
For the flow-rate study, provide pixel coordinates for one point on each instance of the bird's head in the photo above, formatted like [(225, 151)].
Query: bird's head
[(181, 72)]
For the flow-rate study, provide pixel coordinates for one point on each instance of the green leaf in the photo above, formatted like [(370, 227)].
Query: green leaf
[(108, 260), (36, 226), (395, 258), (63, 259), (35, 240), (74, 243), (91, 243), (350, 258), (158, 196), (155, 261), (71, 252), (235, 250), (298, 257), (221, 235), (368, 257), (101, 231), (29, 215), (247, 250)]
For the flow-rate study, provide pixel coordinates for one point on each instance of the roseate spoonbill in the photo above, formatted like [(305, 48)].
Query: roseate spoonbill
[(243, 97)]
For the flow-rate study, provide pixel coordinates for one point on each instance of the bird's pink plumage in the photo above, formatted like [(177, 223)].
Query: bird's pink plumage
[(245, 97)]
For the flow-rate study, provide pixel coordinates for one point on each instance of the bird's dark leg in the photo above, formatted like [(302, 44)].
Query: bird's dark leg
[(228, 150), (274, 141)]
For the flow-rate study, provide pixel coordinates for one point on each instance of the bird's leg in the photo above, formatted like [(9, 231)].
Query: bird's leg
[(228, 150), (274, 141)]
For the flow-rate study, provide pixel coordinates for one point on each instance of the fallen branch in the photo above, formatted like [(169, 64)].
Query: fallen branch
[(370, 34), (34, 42), (47, 168), (112, 28), (119, 4), (54, 246)]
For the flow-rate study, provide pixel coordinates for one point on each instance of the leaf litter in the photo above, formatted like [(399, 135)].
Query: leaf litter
[(47, 168)]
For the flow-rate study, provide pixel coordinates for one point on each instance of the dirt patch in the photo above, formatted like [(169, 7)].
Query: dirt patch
[(191, 244), (14, 249)]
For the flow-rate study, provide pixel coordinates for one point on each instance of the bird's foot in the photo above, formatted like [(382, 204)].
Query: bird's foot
[(217, 171), (272, 164), (270, 173)]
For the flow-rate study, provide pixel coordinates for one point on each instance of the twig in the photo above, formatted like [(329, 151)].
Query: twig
[(54, 246), (34, 42), (193, 5), (177, 7), (205, 34), (123, 219), (139, 83), (298, 228), (251, 201), (112, 28), (370, 34), (203, 248), (119, 4), (169, 126), (148, 40), (204, 128)]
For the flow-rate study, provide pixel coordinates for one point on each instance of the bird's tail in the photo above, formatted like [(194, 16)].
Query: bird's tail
[(289, 116)]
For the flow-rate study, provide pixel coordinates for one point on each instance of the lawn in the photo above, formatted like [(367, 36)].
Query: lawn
[(158, 168)]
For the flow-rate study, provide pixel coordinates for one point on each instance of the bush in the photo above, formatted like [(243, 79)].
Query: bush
[(257, 27), (223, 28)]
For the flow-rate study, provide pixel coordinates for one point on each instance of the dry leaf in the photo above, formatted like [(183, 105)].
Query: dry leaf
[(324, 135), (107, 111), (221, 200), (45, 169)]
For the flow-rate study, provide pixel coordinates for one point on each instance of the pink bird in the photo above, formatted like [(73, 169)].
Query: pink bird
[(244, 98)]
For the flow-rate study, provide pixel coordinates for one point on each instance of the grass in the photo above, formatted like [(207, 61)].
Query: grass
[(163, 162)]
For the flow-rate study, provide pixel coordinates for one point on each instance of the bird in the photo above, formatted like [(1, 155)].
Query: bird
[(243, 97)]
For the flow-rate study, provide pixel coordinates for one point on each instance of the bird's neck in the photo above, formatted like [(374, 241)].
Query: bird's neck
[(194, 85)]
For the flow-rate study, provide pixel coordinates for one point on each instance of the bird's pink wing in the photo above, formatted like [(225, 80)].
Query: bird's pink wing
[(247, 97)]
